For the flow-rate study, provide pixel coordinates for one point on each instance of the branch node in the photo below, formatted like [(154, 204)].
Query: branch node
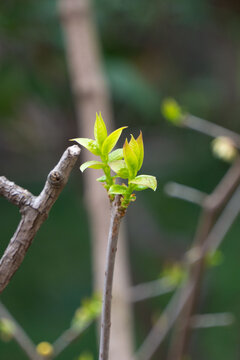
[(55, 178)]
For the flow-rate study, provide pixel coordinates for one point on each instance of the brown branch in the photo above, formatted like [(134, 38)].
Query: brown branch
[(117, 213), (34, 211), (212, 206), (20, 336)]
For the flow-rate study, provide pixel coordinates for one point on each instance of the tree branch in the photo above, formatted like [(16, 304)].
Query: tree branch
[(212, 206), (117, 213), (20, 336), (34, 211), (209, 128)]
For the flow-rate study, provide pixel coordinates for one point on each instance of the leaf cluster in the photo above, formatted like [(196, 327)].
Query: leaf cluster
[(124, 162)]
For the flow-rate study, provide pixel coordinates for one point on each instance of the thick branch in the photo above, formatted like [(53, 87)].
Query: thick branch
[(116, 215), (34, 211)]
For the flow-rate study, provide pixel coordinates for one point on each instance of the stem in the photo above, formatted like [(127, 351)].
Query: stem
[(116, 215)]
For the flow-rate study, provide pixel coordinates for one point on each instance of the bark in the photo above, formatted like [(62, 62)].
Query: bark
[(34, 211)]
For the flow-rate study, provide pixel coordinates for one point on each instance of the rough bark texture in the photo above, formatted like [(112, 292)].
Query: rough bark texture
[(34, 211), (91, 95)]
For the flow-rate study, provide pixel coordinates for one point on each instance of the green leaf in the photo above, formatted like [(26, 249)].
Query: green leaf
[(100, 130), (111, 140), (141, 150), (139, 188), (130, 159), (91, 164), (118, 189), (172, 111), (120, 168), (145, 180), (102, 178), (115, 155), (89, 144)]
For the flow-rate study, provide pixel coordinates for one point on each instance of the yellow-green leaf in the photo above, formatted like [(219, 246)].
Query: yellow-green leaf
[(100, 130), (102, 178), (141, 150), (120, 168), (145, 180), (111, 140), (130, 159), (89, 144), (115, 155), (172, 111), (117, 189), (91, 164)]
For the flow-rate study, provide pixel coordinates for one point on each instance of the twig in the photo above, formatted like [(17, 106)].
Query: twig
[(165, 322), (117, 213), (209, 128), (184, 192), (67, 338), (34, 211), (213, 240), (20, 336), (91, 94), (212, 320), (212, 206), (150, 289)]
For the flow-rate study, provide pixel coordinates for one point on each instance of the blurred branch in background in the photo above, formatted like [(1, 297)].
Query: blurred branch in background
[(184, 192), (34, 211), (209, 128), (91, 95), (19, 334), (212, 206)]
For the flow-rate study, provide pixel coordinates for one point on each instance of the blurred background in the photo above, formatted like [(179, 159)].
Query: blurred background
[(153, 49)]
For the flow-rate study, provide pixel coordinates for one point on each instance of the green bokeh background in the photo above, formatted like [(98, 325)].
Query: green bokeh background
[(185, 49)]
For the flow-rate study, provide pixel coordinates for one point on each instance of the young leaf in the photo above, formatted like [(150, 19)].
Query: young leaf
[(120, 168), (89, 144), (140, 188), (91, 164), (145, 180), (141, 150), (102, 178), (172, 111), (111, 140), (100, 130), (115, 155), (118, 189), (130, 159)]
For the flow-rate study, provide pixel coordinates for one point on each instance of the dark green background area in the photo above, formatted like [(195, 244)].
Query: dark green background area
[(154, 49)]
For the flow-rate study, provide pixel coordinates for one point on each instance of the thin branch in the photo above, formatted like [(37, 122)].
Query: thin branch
[(20, 336), (209, 128), (212, 320), (184, 192), (150, 289), (117, 213), (67, 338), (164, 324), (212, 206), (34, 211), (213, 240)]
